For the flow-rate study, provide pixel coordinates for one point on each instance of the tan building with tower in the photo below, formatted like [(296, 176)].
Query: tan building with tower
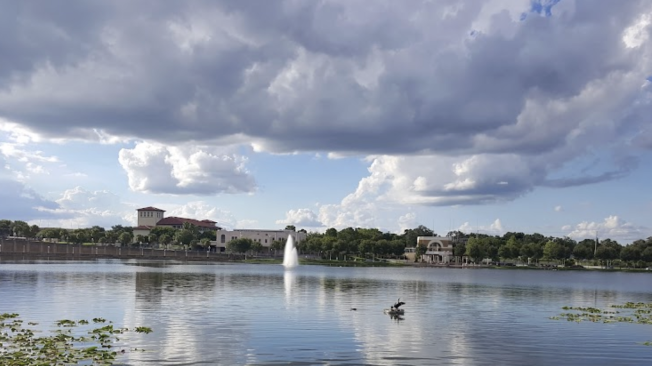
[(151, 217)]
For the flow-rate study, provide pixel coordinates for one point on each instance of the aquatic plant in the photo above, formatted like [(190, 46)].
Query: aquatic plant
[(22, 346), (630, 312)]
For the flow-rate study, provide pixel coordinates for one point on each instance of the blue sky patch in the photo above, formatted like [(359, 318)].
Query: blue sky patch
[(542, 7)]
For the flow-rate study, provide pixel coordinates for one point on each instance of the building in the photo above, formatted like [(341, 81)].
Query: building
[(264, 237), (439, 249), (150, 217)]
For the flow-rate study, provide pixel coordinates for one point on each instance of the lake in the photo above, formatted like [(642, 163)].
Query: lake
[(243, 314)]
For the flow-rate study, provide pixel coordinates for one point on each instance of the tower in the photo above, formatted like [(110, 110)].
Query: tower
[(149, 216)]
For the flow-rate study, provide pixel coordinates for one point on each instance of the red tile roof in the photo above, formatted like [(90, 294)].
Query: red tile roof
[(150, 208), (143, 227), (173, 220)]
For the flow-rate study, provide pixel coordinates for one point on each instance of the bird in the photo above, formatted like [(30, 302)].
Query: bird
[(398, 304)]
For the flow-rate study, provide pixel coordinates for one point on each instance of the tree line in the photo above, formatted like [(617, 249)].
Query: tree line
[(188, 235), (367, 243), (530, 248)]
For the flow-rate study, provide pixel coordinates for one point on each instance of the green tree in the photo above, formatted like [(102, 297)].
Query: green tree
[(20, 228), (140, 239), (312, 243), (331, 232), (531, 251), (584, 249), (459, 249), (630, 254), (33, 231), (205, 242), (475, 249), (327, 244), (125, 238), (553, 251), (397, 248), (111, 237), (240, 245), (79, 236), (96, 232), (411, 235), (152, 238), (646, 254), (211, 235), (606, 253), (165, 239), (507, 252), (365, 247), (5, 228), (161, 230), (277, 245), (256, 247), (184, 236), (291, 228)]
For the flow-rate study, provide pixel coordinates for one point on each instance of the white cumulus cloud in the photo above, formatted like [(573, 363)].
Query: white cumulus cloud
[(300, 218), (202, 170), (613, 227)]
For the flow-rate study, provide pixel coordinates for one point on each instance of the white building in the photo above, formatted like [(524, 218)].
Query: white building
[(264, 237), (439, 249)]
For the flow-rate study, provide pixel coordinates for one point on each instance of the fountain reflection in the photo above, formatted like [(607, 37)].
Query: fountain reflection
[(289, 282)]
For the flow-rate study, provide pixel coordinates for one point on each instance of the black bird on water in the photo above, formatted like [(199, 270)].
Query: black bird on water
[(398, 304)]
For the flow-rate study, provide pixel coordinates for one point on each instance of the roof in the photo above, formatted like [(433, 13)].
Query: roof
[(173, 220), (150, 208), (143, 227)]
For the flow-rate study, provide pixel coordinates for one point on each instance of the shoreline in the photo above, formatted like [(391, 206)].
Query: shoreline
[(33, 250)]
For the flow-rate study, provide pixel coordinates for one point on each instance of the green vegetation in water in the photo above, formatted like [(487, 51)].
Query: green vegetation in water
[(630, 312), (20, 345)]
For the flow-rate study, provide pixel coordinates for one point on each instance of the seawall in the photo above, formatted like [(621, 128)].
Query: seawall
[(26, 249)]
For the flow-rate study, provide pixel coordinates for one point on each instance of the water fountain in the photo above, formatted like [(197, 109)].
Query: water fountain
[(290, 254)]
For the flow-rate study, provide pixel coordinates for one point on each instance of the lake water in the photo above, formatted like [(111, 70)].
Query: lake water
[(238, 314)]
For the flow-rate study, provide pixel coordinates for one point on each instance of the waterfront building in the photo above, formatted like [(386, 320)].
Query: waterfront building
[(151, 217)]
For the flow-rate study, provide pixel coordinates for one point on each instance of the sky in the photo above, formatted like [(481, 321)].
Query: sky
[(487, 116)]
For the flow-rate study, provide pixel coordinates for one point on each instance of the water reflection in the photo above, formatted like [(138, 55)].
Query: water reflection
[(289, 282), (247, 314)]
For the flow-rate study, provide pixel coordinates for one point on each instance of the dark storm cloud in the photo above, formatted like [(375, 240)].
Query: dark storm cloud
[(547, 81), (136, 80)]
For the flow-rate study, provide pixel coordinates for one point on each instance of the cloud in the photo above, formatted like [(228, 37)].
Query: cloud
[(22, 203), (559, 209), (19, 202), (495, 228), (289, 74), (80, 208), (470, 103), (301, 217), (407, 221), (201, 210), (613, 227), (15, 150), (156, 168)]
